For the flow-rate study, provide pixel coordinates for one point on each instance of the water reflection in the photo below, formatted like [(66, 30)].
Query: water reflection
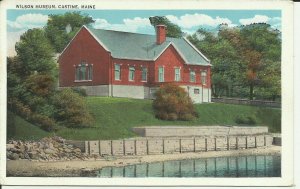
[(245, 166)]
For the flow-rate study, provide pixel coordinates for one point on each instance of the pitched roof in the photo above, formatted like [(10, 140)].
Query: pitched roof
[(125, 45)]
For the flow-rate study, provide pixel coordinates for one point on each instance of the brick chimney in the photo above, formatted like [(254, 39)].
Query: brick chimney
[(160, 34)]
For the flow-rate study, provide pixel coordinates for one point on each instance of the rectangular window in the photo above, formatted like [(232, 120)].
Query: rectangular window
[(144, 74), (77, 74), (196, 91), (90, 72), (203, 77), (131, 73), (161, 76), (117, 72), (192, 76), (83, 72), (177, 74)]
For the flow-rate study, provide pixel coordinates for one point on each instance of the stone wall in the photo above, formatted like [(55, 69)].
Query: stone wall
[(193, 131), (150, 146)]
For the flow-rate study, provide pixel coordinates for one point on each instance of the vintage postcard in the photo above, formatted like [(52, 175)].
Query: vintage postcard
[(147, 93)]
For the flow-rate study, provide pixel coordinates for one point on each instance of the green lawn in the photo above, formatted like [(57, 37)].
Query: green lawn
[(114, 117), (18, 128)]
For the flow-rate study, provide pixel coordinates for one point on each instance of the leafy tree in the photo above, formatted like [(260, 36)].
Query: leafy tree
[(35, 53), (224, 57), (60, 29), (173, 103), (243, 57), (262, 47), (172, 29), (32, 92)]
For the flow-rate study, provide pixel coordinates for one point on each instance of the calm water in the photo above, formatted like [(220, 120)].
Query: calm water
[(250, 166)]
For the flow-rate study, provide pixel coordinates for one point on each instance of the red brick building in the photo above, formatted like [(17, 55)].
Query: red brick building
[(123, 64)]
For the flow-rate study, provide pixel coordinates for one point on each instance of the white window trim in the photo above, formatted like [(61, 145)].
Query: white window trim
[(129, 73), (163, 74), (175, 68), (203, 71), (194, 76), (87, 68), (146, 74), (119, 72)]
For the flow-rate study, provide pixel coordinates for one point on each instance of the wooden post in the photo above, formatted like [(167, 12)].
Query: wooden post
[(147, 146), (255, 141), (265, 140), (135, 147), (163, 146), (194, 144), (89, 147), (246, 142), (180, 145), (206, 148), (228, 143), (124, 153), (237, 142), (99, 147), (111, 148), (215, 144)]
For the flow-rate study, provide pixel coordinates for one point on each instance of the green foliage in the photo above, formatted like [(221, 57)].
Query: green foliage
[(71, 110), (20, 129), (269, 117), (56, 28), (80, 91), (246, 120), (35, 53), (172, 29), (40, 84), (246, 60), (173, 103)]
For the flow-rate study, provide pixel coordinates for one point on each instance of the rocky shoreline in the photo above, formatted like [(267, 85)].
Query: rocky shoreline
[(47, 149)]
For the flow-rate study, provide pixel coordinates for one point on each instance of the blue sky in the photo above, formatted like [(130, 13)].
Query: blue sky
[(18, 21)]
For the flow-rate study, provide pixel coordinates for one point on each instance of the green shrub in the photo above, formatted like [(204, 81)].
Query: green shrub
[(43, 121), (80, 91), (249, 120), (71, 110), (41, 85), (173, 103)]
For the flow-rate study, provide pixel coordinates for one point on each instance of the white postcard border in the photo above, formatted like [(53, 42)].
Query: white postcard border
[(287, 95)]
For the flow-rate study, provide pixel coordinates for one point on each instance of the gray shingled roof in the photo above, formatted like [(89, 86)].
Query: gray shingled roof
[(125, 45)]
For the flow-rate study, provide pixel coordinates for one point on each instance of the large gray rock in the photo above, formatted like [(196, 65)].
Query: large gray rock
[(13, 156), (49, 151)]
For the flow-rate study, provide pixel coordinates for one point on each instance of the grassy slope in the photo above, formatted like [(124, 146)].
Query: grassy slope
[(114, 117), (19, 128)]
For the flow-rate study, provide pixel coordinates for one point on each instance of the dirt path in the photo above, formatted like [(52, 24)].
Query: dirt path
[(78, 168)]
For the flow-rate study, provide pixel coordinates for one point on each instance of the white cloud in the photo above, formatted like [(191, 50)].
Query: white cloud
[(193, 20), (129, 25), (255, 19), (28, 21), (275, 22)]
